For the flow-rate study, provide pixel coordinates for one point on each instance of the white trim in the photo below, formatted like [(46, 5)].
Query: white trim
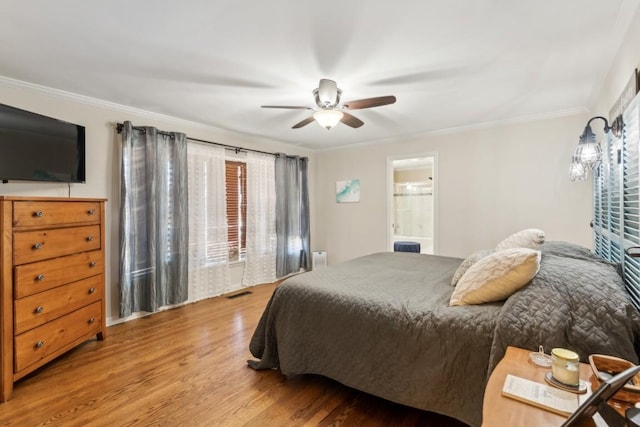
[(87, 100), (454, 130), (95, 102), (120, 108), (620, 29)]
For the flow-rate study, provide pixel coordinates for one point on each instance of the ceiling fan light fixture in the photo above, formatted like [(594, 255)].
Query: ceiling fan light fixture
[(328, 111), (328, 118)]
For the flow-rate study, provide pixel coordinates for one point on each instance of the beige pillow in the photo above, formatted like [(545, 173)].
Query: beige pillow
[(496, 276), (530, 238), (468, 262)]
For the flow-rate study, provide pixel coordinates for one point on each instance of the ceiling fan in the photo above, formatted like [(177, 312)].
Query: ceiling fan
[(328, 111)]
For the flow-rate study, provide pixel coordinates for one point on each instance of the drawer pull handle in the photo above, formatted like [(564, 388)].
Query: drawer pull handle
[(92, 320), (40, 277), (40, 309), (39, 344), (92, 264), (91, 212), (89, 238), (37, 246), (92, 290), (38, 214)]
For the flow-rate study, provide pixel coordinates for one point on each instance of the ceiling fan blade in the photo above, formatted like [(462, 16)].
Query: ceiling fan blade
[(369, 102), (290, 107), (351, 120), (303, 123)]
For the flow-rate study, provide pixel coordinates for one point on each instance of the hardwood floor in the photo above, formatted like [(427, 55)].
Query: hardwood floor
[(187, 367)]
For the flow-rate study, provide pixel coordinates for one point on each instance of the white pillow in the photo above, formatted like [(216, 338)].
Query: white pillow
[(468, 262), (496, 276), (530, 238)]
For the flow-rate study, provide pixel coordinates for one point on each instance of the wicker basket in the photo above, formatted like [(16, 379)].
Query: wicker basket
[(613, 365)]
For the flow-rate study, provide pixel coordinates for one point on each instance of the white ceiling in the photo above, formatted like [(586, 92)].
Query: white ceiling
[(449, 63)]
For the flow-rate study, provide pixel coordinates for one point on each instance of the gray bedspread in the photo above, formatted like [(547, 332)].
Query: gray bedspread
[(573, 302), (382, 324)]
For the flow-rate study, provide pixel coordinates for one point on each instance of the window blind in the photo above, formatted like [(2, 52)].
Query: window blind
[(616, 216), (236, 189)]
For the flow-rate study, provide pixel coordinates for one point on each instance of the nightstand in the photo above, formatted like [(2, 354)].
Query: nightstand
[(500, 411)]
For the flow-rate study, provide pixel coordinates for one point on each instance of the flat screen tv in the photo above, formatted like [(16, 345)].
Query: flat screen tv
[(40, 148)]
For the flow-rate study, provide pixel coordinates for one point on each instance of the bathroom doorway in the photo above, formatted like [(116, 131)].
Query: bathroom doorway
[(411, 203)]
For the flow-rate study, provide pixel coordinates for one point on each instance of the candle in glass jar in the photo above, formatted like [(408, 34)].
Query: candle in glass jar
[(565, 366)]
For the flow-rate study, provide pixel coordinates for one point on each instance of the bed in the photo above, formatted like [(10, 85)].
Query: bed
[(382, 324)]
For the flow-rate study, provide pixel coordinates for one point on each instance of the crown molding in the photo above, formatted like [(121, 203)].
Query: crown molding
[(139, 112), (624, 21), (93, 102), (99, 103), (466, 128)]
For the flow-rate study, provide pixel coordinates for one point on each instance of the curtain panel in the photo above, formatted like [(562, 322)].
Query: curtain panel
[(260, 260), (292, 215), (208, 246), (153, 219)]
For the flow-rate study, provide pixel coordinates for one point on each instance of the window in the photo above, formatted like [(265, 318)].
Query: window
[(616, 223), (236, 189)]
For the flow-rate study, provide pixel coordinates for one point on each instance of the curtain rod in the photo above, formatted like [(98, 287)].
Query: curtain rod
[(236, 149), (120, 126)]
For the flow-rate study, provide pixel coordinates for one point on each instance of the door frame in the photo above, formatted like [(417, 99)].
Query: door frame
[(389, 223)]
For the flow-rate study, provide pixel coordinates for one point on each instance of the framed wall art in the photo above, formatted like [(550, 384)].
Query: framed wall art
[(348, 191)]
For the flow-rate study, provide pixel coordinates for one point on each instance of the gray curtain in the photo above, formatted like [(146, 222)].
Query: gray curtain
[(292, 215), (153, 219)]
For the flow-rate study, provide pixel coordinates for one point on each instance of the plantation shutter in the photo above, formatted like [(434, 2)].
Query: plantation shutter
[(614, 164), (616, 216), (601, 207), (631, 235), (236, 188)]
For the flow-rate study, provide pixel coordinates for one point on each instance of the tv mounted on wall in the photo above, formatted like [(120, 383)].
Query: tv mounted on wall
[(34, 147)]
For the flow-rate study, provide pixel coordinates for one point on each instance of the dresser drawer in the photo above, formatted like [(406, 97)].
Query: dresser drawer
[(42, 275), (30, 246), (43, 307), (64, 332), (36, 213)]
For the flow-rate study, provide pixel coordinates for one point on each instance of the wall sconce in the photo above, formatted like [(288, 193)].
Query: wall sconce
[(588, 152), (577, 170)]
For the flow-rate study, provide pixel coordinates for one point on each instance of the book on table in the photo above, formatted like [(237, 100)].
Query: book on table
[(543, 396)]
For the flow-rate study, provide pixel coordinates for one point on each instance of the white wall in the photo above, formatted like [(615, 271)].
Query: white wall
[(102, 153), (626, 60), (489, 183)]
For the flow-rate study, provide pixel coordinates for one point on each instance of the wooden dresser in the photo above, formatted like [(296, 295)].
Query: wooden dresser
[(51, 281)]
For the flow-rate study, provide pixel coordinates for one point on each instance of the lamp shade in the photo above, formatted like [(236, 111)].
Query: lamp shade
[(328, 118), (588, 151), (577, 170)]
